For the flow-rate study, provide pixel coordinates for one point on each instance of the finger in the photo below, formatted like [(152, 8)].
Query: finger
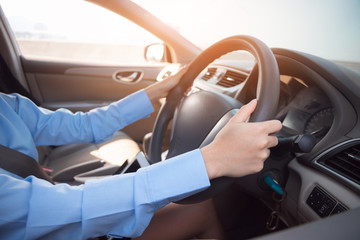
[(245, 111), (273, 141), (267, 151), (270, 126), (275, 126), (185, 67), (175, 77), (182, 70)]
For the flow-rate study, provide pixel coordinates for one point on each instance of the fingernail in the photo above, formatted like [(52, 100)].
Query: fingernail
[(252, 101)]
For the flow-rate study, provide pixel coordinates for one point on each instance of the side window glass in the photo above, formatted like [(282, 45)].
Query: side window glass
[(75, 30)]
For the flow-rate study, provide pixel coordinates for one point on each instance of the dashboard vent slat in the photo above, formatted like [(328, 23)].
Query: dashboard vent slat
[(209, 74), (346, 163), (231, 79)]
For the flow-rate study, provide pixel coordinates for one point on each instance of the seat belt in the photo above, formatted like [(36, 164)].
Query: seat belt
[(21, 164)]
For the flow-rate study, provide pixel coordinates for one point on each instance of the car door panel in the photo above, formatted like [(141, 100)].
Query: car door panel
[(81, 87)]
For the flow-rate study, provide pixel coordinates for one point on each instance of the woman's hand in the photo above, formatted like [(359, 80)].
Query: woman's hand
[(161, 89), (240, 148)]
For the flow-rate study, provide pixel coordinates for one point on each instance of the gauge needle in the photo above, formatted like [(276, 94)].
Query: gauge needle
[(320, 132)]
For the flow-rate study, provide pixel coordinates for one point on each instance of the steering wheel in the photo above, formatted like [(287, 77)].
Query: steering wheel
[(217, 109)]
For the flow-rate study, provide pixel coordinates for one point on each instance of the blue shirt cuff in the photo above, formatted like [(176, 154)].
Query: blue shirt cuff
[(175, 178)]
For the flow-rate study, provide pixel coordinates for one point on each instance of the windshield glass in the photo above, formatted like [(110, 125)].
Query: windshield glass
[(326, 28)]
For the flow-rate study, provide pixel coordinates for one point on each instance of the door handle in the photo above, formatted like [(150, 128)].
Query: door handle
[(128, 76)]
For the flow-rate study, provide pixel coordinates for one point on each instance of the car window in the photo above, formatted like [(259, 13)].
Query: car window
[(326, 28), (75, 30)]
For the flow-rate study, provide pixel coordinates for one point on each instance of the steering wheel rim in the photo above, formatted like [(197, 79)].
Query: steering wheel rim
[(268, 87)]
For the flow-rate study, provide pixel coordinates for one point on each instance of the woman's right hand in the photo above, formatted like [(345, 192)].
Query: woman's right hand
[(241, 147)]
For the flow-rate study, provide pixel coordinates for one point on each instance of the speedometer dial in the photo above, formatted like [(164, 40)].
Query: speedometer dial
[(320, 122)]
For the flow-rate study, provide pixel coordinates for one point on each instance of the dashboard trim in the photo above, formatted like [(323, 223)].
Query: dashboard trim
[(325, 169)]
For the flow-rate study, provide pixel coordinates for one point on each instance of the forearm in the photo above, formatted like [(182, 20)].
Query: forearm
[(64, 127), (107, 120), (120, 205)]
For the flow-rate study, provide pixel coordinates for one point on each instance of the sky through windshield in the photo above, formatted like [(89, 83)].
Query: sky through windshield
[(328, 28)]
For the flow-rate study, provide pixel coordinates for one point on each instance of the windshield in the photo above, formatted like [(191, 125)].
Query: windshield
[(326, 28)]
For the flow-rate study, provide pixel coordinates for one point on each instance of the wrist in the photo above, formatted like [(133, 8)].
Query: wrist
[(156, 91), (211, 162)]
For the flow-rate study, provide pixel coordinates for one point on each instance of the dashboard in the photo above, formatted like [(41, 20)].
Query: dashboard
[(307, 111), (317, 97), (303, 107)]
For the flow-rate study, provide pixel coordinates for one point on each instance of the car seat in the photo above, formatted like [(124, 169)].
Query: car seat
[(66, 163)]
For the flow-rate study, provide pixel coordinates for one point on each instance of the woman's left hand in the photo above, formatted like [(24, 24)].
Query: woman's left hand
[(161, 89)]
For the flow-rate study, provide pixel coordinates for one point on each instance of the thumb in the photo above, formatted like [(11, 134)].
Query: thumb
[(245, 111)]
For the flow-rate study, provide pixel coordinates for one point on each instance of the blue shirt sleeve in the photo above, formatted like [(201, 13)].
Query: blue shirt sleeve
[(119, 206), (63, 127)]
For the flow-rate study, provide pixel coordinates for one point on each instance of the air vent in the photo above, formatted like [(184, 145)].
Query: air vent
[(346, 163), (209, 74), (231, 79)]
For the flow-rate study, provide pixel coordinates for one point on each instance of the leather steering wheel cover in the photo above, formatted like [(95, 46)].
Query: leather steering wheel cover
[(267, 91)]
